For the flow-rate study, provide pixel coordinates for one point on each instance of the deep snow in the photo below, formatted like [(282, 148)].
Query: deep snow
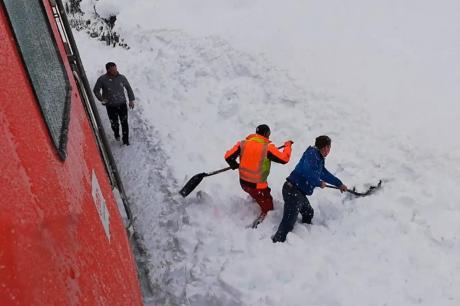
[(379, 78)]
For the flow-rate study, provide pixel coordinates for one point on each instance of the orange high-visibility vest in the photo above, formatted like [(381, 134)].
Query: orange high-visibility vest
[(254, 165)]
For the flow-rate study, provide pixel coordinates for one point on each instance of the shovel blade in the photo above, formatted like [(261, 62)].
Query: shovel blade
[(191, 184), (370, 191)]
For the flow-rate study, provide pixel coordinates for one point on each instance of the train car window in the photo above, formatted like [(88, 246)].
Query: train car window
[(44, 65)]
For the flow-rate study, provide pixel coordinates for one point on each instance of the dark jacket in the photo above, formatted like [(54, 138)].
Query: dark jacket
[(113, 89), (310, 171)]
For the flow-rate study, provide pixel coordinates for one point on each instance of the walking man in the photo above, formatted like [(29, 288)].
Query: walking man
[(256, 153), (309, 173), (113, 85)]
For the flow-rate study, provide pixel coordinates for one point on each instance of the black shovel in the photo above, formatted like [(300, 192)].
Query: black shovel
[(197, 178), (353, 191)]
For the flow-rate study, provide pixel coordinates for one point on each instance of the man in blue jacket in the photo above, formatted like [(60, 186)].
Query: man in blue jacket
[(309, 173)]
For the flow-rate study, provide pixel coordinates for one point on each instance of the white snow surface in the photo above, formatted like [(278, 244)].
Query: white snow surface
[(381, 78)]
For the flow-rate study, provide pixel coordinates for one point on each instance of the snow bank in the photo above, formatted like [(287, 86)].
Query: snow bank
[(207, 73)]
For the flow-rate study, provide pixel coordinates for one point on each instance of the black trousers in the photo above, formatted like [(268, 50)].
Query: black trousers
[(119, 112), (294, 202)]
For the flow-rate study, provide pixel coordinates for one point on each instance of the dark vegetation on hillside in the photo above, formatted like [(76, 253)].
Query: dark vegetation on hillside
[(94, 24)]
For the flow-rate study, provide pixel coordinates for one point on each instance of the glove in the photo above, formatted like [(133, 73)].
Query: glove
[(233, 165), (131, 104), (288, 143)]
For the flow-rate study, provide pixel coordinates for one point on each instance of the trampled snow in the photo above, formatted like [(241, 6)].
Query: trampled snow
[(380, 78)]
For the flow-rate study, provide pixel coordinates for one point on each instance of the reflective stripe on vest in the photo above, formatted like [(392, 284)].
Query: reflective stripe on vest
[(252, 156)]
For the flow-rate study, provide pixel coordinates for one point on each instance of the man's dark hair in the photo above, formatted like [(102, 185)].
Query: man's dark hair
[(109, 65), (322, 141), (263, 130)]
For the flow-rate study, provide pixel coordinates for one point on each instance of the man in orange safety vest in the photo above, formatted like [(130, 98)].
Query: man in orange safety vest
[(256, 153)]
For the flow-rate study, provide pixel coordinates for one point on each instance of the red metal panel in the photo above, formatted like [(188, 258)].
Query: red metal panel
[(53, 247)]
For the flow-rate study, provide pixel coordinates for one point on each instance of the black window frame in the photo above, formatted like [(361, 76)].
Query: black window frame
[(59, 139)]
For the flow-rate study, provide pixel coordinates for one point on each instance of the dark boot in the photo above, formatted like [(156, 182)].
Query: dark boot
[(278, 237), (258, 220), (306, 219)]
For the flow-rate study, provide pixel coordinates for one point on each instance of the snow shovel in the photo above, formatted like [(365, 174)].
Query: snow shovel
[(353, 191), (197, 178)]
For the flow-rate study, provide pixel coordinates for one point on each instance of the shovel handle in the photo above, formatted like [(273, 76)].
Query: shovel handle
[(218, 171), (348, 190)]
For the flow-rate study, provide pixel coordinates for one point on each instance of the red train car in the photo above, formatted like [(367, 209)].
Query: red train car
[(62, 238)]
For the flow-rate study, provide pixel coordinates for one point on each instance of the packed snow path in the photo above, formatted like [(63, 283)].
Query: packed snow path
[(195, 98)]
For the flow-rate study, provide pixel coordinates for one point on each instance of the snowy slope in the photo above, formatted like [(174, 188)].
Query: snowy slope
[(205, 73)]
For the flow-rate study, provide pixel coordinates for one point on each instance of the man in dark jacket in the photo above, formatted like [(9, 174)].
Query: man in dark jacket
[(113, 85), (309, 173)]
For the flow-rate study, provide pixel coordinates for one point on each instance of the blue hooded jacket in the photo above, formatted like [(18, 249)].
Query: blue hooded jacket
[(310, 171)]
